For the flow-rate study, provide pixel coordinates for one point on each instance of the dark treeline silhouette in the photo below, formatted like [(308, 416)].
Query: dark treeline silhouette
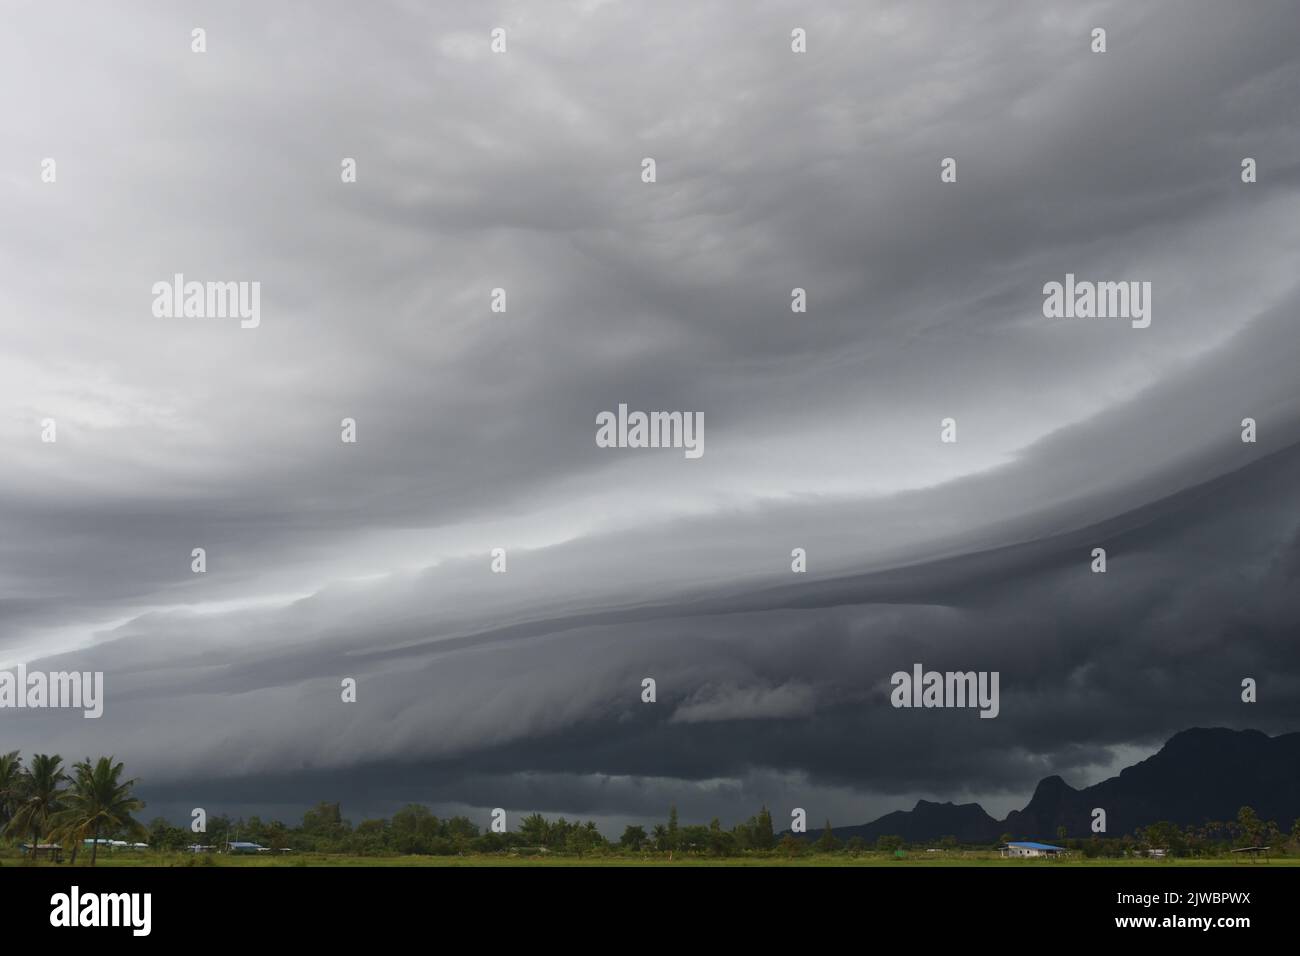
[(43, 804), (416, 830)]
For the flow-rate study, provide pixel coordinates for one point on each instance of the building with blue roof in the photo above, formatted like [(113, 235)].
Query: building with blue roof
[(1027, 848)]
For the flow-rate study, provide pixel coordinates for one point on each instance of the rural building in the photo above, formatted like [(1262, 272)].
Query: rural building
[(245, 847), (89, 843), (1029, 849), (52, 850)]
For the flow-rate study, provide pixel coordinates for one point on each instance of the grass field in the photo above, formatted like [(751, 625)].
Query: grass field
[(973, 858)]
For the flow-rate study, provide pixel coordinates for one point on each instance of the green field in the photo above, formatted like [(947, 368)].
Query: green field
[(11, 859)]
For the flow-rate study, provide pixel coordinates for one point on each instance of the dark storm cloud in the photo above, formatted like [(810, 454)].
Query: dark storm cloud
[(476, 429), (1087, 662)]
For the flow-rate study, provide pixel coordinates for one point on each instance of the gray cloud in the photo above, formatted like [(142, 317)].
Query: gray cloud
[(476, 429)]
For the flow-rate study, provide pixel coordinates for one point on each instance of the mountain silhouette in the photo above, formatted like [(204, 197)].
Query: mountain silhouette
[(1198, 775)]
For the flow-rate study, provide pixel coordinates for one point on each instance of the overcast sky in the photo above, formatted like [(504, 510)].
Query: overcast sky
[(475, 430)]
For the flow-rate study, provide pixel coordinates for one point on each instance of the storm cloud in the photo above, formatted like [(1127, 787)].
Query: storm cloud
[(476, 428)]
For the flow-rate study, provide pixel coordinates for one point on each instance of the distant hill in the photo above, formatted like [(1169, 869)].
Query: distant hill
[(1198, 775), (927, 821)]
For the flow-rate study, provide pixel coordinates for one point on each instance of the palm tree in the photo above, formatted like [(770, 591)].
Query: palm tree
[(39, 798), (100, 802), (659, 834), (11, 775)]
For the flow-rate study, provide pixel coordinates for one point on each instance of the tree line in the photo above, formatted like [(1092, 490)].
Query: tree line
[(44, 803), (1211, 838), (415, 829)]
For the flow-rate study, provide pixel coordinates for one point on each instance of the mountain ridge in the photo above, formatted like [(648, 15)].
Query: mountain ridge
[(1199, 774)]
